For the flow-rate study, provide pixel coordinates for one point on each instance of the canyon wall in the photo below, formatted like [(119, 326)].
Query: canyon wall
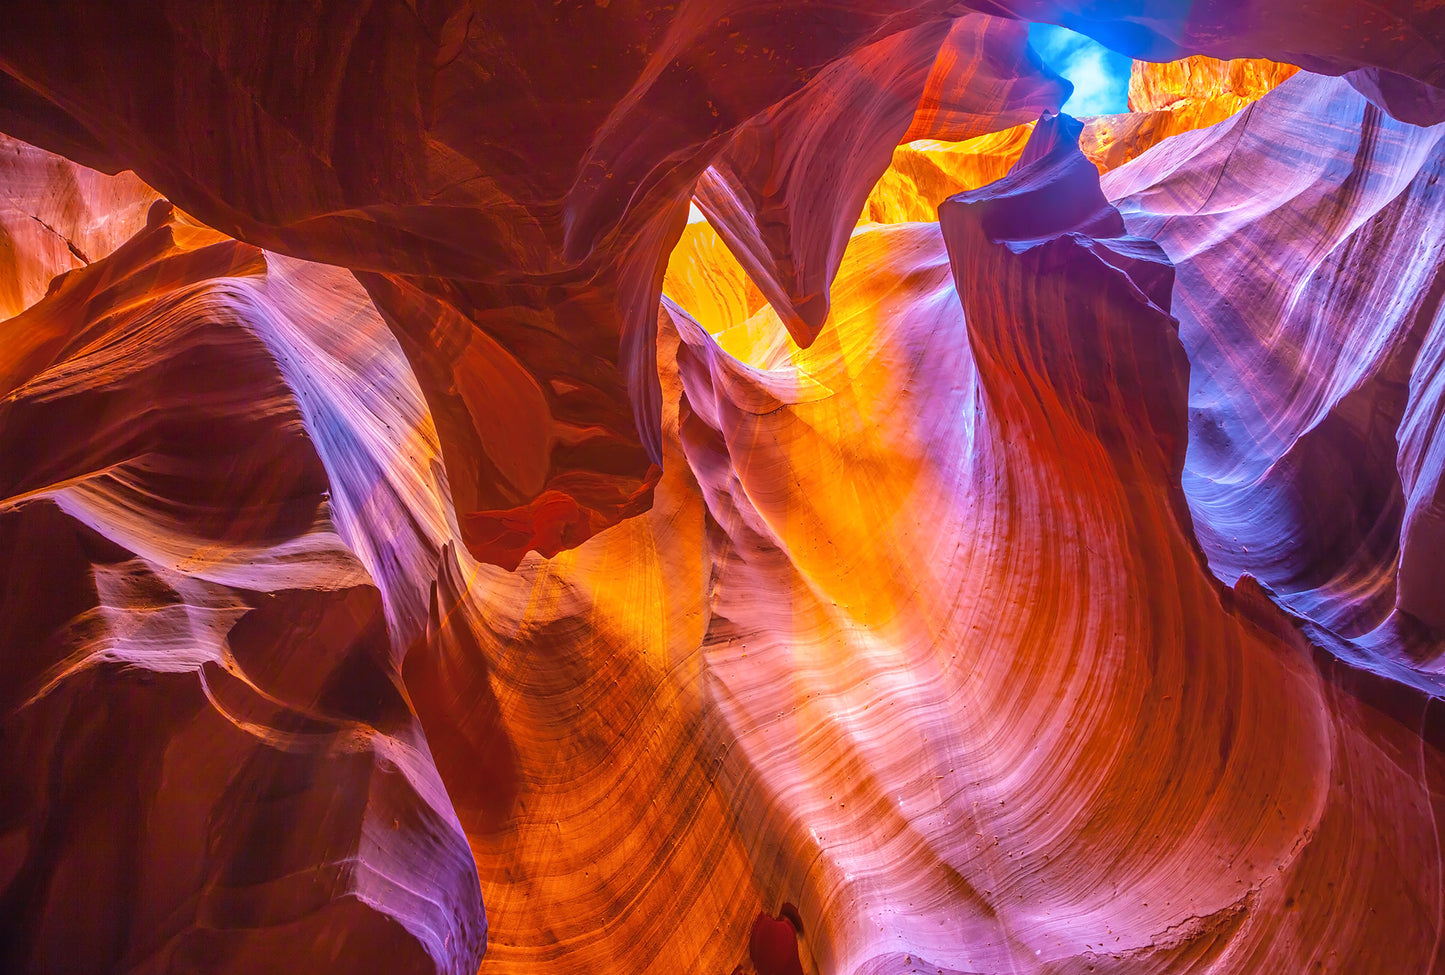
[(719, 487)]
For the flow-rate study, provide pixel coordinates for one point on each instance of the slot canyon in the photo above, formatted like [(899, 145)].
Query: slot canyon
[(733, 487)]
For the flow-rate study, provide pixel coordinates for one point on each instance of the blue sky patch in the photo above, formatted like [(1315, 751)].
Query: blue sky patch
[(1100, 76)]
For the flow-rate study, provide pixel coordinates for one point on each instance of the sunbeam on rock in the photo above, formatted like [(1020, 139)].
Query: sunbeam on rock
[(771, 488)]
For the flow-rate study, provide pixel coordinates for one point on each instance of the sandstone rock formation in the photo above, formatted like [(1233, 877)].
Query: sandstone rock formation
[(1313, 462), (785, 200), (1165, 99), (56, 216), (1038, 578), (534, 174), (1198, 80), (204, 510)]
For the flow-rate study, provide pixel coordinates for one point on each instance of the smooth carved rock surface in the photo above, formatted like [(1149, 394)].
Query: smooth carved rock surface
[(56, 216), (1314, 463), (932, 646), (513, 230), (842, 735), (785, 199), (512, 177), (198, 615)]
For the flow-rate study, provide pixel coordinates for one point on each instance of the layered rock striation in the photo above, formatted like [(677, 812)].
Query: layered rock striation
[(525, 481), (1312, 464), (511, 180), (207, 516)]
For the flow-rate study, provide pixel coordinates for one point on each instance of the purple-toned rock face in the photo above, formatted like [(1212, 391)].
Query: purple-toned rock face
[(198, 623), (786, 200), (1313, 464), (510, 178), (474, 454)]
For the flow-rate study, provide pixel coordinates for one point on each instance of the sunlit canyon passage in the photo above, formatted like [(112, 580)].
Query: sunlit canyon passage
[(736, 487)]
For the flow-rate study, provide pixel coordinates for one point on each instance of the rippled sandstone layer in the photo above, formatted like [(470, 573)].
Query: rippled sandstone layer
[(511, 179), (1165, 99), (1038, 582), (199, 631)]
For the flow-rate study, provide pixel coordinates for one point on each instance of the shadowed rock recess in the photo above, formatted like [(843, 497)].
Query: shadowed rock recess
[(738, 488)]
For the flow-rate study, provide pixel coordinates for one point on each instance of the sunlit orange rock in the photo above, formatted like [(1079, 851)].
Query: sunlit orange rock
[(1065, 601), (1166, 99), (1156, 87), (56, 216), (930, 637), (510, 179), (704, 277), (925, 173), (920, 538)]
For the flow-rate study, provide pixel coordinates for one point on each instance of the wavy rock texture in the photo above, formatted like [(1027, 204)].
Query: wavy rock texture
[(806, 697), (1165, 99), (56, 216), (518, 262), (1314, 400), (785, 199), (1033, 499), (196, 627), (536, 164), (929, 647)]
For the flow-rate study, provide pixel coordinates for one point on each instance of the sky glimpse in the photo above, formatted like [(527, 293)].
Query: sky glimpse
[(1100, 76)]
